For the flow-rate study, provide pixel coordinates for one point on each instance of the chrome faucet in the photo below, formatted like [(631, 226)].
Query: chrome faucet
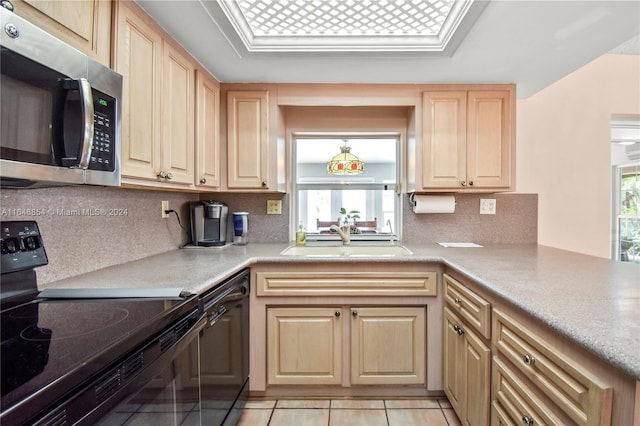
[(391, 236), (346, 237)]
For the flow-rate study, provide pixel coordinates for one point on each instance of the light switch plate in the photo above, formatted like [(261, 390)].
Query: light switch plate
[(274, 206), (487, 206)]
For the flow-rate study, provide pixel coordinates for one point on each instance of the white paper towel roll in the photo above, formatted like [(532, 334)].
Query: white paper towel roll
[(434, 203)]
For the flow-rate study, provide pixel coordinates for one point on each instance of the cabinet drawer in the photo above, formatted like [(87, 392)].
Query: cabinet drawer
[(580, 395), (346, 283), (473, 309), (515, 403)]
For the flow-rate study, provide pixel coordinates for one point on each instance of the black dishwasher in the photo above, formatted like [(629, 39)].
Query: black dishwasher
[(224, 351)]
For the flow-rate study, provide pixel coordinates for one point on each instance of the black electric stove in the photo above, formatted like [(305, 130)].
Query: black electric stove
[(51, 348)]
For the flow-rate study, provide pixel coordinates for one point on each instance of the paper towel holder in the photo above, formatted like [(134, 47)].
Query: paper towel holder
[(412, 196), (433, 203)]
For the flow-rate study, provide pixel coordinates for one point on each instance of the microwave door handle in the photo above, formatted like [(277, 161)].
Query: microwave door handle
[(80, 158), (86, 98)]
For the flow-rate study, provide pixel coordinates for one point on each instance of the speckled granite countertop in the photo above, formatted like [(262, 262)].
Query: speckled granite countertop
[(594, 301)]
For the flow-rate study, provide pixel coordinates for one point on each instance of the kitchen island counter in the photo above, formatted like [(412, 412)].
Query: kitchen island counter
[(592, 301)]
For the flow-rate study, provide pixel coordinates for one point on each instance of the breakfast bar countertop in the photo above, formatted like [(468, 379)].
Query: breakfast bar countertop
[(591, 300)]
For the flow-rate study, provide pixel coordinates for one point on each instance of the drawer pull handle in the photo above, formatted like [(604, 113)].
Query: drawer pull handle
[(458, 329), (528, 359), (337, 313), (457, 301), (527, 421)]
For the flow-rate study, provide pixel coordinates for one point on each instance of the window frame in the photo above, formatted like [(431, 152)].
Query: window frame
[(395, 186)]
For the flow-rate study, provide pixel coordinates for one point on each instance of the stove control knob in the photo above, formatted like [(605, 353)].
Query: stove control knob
[(31, 243), (10, 245)]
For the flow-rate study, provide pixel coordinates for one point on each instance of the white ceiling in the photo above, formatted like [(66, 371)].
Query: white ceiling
[(529, 43)]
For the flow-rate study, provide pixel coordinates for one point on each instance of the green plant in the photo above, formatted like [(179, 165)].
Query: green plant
[(349, 219), (351, 214)]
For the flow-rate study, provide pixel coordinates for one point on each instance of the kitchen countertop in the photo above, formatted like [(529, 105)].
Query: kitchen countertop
[(593, 301)]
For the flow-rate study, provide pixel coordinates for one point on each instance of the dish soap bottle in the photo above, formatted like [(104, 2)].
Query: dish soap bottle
[(301, 236)]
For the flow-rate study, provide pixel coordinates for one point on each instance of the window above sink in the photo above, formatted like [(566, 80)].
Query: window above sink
[(366, 197)]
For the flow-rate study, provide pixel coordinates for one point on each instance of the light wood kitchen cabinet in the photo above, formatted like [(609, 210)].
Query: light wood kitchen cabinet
[(388, 345), (467, 140), (304, 345), (545, 385), (248, 139), (351, 327), (207, 131), (467, 367), (84, 24), (158, 102), (475, 310), (252, 139)]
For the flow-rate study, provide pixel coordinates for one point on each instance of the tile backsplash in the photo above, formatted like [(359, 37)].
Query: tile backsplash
[(88, 228)]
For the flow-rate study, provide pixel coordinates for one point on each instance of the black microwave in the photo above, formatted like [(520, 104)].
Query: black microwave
[(60, 117)]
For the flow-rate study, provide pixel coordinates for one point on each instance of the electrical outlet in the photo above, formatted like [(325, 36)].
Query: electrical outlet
[(274, 206), (487, 206), (165, 207)]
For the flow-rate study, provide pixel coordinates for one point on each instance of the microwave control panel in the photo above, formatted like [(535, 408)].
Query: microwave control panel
[(103, 154)]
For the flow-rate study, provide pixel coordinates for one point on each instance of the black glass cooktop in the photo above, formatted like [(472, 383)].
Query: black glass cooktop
[(50, 347)]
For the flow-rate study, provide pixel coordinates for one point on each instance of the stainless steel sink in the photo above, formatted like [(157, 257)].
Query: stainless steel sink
[(347, 251)]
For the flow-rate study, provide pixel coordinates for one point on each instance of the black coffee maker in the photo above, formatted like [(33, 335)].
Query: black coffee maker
[(208, 223)]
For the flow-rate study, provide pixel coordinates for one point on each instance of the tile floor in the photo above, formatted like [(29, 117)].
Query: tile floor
[(349, 412)]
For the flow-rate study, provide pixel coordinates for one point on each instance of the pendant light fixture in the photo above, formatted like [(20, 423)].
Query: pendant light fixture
[(345, 163)]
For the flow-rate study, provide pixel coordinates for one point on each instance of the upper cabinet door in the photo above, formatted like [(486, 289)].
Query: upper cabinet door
[(489, 139), (207, 131), (467, 139), (176, 149), (84, 24), (139, 59), (444, 139), (248, 139)]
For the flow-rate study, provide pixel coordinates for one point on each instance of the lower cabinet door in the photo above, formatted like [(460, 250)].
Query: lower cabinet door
[(467, 362), (388, 345), (304, 346)]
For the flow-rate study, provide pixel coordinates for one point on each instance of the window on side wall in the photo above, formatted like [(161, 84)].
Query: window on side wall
[(369, 198)]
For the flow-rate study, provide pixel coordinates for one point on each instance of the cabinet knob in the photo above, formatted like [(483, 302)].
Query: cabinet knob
[(528, 359), (264, 183), (169, 176), (354, 313), (463, 183), (470, 183), (457, 301), (7, 5), (203, 181), (458, 329), (527, 421), (337, 314), (161, 174)]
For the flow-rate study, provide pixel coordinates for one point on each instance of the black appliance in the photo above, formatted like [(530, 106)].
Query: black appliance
[(61, 111), (91, 361), (208, 223), (224, 351)]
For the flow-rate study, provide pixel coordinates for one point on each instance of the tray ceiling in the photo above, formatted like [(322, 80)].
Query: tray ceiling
[(531, 43)]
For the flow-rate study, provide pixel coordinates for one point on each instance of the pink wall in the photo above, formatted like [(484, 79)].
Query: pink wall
[(563, 151)]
